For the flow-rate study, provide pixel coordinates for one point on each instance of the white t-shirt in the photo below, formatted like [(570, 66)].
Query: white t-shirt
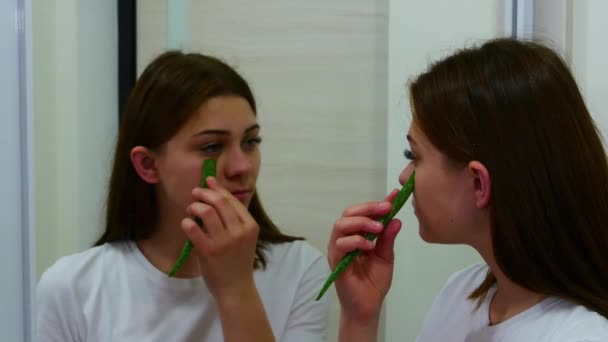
[(113, 293), (455, 318)]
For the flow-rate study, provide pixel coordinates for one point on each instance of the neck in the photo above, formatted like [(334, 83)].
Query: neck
[(510, 298), (163, 248)]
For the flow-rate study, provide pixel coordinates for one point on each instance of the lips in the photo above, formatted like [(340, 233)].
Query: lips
[(241, 194)]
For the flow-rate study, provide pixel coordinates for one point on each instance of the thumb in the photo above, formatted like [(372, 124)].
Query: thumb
[(384, 248), (195, 234)]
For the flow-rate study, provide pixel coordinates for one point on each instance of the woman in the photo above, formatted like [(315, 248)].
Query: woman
[(245, 281), (508, 161)]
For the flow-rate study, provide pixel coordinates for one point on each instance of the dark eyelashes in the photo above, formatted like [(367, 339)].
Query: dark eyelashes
[(409, 155)]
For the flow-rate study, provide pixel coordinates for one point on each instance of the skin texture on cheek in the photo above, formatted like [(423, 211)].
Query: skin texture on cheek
[(181, 173), (445, 194), (437, 200)]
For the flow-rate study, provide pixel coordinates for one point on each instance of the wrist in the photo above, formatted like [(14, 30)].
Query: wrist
[(242, 314), (235, 296), (360, 328), (364, 313)]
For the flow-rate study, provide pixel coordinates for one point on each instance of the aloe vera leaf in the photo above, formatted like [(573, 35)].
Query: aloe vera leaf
[(208, 170), (397, 204)]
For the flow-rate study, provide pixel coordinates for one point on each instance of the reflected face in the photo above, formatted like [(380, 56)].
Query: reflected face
[(224, 129), (444, 193)]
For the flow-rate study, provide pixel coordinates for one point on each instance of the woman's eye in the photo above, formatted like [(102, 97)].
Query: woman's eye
[(252, 143), (409, 155), (211, 148)]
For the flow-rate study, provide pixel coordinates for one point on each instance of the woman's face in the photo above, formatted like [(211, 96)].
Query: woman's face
[(223, 128), (446, 195)]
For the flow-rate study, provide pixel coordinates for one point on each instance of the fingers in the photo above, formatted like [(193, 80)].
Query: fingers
[(350, 243), (240, 210), (209, 217), (223, 215), (386, 241), (347, 235), (357, 219), (199, 239), (357, 225), (219, 200), (369, 209), (392, 195), (348, 231)]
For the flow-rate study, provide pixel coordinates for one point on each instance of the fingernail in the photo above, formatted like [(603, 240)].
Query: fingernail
[(377, 226), (186, 227), (384, 206)]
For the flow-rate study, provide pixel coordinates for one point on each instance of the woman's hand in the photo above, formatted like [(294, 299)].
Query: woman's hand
[(226, 251), (364, 284), (226, 245)]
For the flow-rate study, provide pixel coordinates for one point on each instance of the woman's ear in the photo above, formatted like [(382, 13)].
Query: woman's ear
[(144, 162), (483, 184)]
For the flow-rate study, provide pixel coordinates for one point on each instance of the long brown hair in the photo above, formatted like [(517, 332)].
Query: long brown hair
[(166, 96), (515, 107)]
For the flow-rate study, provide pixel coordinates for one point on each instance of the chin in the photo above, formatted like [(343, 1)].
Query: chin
[(444, 239), (427, 236), (424, 235)]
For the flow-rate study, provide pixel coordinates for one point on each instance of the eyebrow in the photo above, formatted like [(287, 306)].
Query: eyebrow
[(411, 140), (224, 132)]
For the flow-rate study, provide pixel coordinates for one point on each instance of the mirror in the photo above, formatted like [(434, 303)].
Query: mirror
[(329, 79), (317, 70)]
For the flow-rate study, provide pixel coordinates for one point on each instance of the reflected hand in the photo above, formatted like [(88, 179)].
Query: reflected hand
[(226, 247)]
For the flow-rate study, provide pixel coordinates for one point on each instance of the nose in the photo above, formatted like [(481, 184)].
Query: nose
[(237, 163), (405, 174)]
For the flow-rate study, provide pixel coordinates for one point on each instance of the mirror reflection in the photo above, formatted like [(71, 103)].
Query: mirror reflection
[(303, 106)]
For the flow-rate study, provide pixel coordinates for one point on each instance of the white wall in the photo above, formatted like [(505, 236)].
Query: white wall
[(578, 29), (589, 56), (16, 289), (551, 25), (75, 108), (11, 286), (420, 32)]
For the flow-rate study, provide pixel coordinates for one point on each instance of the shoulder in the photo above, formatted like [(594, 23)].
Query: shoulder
[(79, 269), (573, 322), (470, 275), (454, 296), (64, 287), (452, 313), (299, 255), (463, 282), (288, 287), (293, 264)]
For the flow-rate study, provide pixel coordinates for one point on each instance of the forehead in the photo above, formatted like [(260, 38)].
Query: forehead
[(226, 113)]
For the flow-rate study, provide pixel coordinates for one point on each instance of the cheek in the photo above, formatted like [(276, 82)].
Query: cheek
[(255, 164), (183, 176), (187, 179), (433, 201), (442, 212), (193, 173)]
